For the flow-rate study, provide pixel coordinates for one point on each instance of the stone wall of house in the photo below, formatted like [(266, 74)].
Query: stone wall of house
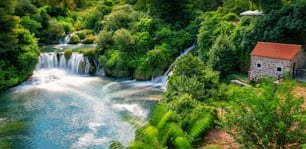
[(268, 67), (299, 59)]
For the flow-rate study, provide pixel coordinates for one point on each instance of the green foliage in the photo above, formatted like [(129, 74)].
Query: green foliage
[(116, 145), (172, 12), (114, 62), (223, 56), (266, 117), (283, 25), (25, 8), (182, 143), (16, 65), (88, 52), (83, 33), (67, 54), (193, 77), (236, 6), (9, 24), (123, 40), (104, 41), (92, 19), (31, 24), (53, 32), (74, 39), (120, 17), (213, 25), (148, 42), (90, 39)]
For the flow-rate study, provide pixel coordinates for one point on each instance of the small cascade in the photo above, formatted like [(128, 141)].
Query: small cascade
[(99, 69), (65, 40), (76, 64), (162, 80)]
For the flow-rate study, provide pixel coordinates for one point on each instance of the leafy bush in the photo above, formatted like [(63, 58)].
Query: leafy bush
[(83, 33), (266, 117), (74, 39), (17, 65), (89, 39)]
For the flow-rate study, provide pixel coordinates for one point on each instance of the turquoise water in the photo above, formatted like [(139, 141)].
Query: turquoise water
[(63, 110)]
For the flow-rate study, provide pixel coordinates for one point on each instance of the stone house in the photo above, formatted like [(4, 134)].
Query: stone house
[(274, 59)]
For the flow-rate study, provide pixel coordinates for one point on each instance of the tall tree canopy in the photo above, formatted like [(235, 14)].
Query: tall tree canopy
[(8, 26)]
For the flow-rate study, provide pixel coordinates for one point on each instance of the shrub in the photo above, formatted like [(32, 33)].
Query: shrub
[(74, 39), (83, 33), (89, 39)]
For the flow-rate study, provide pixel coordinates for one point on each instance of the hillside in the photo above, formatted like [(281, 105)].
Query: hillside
[(140, 39)]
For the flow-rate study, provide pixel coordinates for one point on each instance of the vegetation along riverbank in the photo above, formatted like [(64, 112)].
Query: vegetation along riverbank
[(140, 39)]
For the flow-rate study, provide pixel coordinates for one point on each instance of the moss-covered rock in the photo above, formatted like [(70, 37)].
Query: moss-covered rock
[(67, 54)]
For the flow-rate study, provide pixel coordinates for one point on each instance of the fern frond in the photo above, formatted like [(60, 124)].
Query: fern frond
[(115, 145), (182, 143), (151, 132), (158, 112), (136, 122), (164, 119), (175, 130), (139, 145), (201, 126)]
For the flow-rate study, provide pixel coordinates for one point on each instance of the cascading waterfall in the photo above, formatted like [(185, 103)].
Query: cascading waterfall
[(76, 64), (162, 80), (65, 40)]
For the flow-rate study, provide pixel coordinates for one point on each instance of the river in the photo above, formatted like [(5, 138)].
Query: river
[(58, 110)]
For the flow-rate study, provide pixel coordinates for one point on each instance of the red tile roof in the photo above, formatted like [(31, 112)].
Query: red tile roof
[(276, 50)]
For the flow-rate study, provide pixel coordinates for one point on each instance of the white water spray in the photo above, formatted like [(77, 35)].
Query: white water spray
[(162, 80), (76, 64)]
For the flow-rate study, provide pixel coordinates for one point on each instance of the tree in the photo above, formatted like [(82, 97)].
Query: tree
[(268, 5), (223, 56), (266, 117), (171, 11), (8, 26), (193, 77), (286, 25), (213, 25), (120, 17), (123, 39)]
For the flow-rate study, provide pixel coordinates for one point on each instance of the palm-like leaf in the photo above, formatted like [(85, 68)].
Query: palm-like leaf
[(182, 143), (116, 145), (140, 145), (158, 113), (201, 126), (175, 130), (164, 119)]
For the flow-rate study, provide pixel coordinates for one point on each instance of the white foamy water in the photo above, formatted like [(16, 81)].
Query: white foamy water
[(75, 111)]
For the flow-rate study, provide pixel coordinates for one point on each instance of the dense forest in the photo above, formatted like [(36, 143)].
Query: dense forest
[(141, 38)]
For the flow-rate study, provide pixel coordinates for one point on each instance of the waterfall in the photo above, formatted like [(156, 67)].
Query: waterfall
[(65, 40), (76, 64), (162, 80), (99, 69)]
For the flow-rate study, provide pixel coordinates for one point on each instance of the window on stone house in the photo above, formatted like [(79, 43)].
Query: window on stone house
[(279, 69), (258, 65)]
